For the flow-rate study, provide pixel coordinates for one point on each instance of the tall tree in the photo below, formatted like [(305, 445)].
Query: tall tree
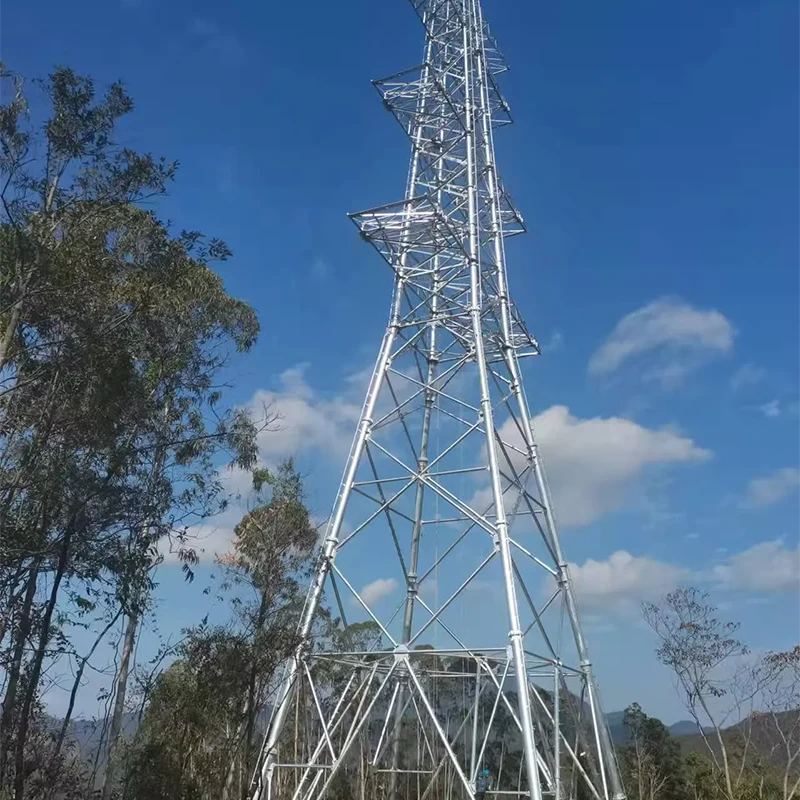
[(776, 735), (112, 333), (717, 681), (268, 565), (180, 751), (199, 727), (651, 758)]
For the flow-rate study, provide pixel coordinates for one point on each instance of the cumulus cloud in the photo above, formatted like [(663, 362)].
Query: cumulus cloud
[(676, 337), (747, 375), (216, 537), (377, 590), (320, 423), (623, 581), (308, 421), (771, 409), (592, 463), (765, 567), (770, 489), (208, 540)]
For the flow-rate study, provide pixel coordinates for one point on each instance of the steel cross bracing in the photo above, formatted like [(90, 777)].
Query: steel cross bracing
[(443, 463)]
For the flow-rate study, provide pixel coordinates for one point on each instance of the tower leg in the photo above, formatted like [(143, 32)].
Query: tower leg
[(263, 777), (607, 755), (472, 39)]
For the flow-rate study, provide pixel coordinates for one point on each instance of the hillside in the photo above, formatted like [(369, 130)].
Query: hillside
[(766, 734), (765, 740), (619, 733), (86, 735)]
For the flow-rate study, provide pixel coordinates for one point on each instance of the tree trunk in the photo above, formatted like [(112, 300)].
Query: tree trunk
[(73, 694), (10, 699), (138, 592), (119, 702), (251, 707), (13, 598), (36, 670), (639, 769), (250, 717), (238, 759), (723, 750), (8, 334)]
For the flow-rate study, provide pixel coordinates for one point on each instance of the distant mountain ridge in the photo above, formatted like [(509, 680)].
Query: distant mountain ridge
[(619, 733), (87, 733)]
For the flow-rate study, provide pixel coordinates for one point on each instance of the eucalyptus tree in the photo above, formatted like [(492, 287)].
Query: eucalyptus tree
[(114, 334)]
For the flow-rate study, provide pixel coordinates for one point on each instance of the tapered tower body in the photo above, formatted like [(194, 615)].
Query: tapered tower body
[(442, 542)]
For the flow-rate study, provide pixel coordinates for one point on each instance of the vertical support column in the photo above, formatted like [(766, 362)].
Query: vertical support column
[(416, 533), (473, 36), (607, 755), (422, 466), (473, 763), (557, 731), (262, 780)]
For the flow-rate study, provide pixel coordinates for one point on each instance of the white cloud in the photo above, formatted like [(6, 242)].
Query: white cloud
[(765, 567), (680, 336), (317, 423), (592, 463), (308, 421), (771, 409), (214, 537), (377, 590), (556, 342), (772, 488), (747, 375), (208, 540), (623, 580)]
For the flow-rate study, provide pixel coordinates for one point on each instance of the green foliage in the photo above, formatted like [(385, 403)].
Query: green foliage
[(113, 332), (274, 540), (206, 711), (180, 748), (747, 710), (702, 779), (651, 760)]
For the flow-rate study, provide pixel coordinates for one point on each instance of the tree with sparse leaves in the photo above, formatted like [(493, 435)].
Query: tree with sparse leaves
[(703, 654), (776, 723)]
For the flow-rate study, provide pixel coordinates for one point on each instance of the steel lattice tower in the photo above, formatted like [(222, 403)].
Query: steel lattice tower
[(442, 464)]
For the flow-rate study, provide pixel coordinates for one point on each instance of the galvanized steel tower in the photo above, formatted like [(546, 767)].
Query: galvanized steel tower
[(443, 463)]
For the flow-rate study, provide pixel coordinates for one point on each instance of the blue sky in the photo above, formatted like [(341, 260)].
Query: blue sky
[(655, 160)]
